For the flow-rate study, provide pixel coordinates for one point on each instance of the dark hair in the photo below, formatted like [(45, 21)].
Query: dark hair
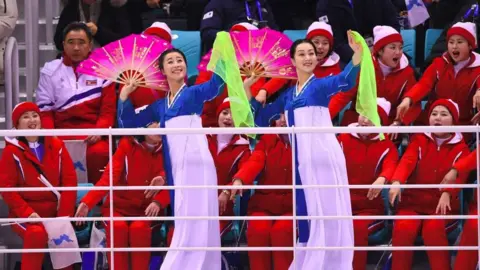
[(169, 51), (77, 26), (295, 44)]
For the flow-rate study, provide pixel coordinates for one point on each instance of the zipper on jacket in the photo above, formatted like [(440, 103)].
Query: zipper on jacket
[(5, 6)]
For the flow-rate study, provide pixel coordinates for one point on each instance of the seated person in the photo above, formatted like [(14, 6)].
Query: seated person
[(70, 100), (24, 161), (138, 161)]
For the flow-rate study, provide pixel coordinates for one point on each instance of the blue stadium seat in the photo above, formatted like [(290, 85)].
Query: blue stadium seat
[(190, 44), (409, 44), (295, 34), (431, 37)]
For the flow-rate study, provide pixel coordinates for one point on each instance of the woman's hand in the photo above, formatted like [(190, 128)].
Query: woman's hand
[(223, 201), (443, 204), (127, 90), (236, 182), (394, 136), (373, 192), (247, 84), (157, 181), (356, 47), (152, 210), (476, 100), (394, 192), (261, 96), (403, 107), (33, 216), (82, 211)]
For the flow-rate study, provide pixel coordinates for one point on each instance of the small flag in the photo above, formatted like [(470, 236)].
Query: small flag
[(417, 12)]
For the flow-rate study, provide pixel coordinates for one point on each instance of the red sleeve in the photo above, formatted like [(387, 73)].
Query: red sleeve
[(254, 165), (273, 85), (68, 176), (203, 76), (390, 162), (48, 119), (163, 198), (469, 160), (243, 162), (9, 178), (408, 162), (425, 85), (340, 100), (467, 164), (414, 111), (106, 117), (118, 160)]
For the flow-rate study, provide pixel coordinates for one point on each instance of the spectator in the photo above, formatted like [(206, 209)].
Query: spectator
[(136, 8), (358, 15), (106, 19), (320, 33), (428, 158), (193, 9), (36, 162), (70, 100), (221, 15), (137, 162), (8, 20)]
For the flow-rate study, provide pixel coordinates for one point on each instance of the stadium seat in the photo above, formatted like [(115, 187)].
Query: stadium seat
[(431, 37), (409, 44), (295, 34), (189, 42)]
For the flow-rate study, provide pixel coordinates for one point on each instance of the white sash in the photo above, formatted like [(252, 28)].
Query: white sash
[(78, 152)]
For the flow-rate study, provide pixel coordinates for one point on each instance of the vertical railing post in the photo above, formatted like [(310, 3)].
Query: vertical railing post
[(32, 45)]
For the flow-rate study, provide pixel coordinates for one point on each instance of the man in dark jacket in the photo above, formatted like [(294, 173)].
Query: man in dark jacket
[(107, 20), (221, 15), (359, 15)]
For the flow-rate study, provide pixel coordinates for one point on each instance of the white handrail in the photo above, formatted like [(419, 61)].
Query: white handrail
[(11, 78), (31, 39)]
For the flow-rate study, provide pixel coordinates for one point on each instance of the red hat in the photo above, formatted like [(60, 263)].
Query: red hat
[(451, 106), (244, 26), (384, 35), (225, 105), (22, 108), (467, 30), (383, 107), (161, 30), (320, 29)]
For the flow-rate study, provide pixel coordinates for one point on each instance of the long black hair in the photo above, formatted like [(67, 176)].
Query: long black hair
[(167, 52), (293, 48)]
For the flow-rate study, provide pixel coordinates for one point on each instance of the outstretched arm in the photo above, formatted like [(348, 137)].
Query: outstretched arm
[(263, 115), (126, 116)]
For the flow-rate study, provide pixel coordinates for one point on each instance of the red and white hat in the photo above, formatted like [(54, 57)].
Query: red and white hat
[(467, 30), (161, 30), (225, 105), (383, 107), (384, 35), (451, 106), (244, 26), (22, 108), (320, 29)]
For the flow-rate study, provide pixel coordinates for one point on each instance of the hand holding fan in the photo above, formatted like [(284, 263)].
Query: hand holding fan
[(263, 53), (133, 59)]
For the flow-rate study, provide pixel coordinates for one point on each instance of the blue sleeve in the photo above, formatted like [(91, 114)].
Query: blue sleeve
[(263, 115), (208, 90), (127, 118), (344, 81)]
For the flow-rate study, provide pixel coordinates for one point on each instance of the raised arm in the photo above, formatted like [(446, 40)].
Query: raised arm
[(126, 116), (208, 90), (342, 82), (263, 115)]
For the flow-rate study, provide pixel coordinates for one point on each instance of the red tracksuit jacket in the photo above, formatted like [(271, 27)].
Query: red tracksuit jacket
[(367, 159), (209, 117), (391, 87), (133, 165), (424, 162), (330, 66), (18, 171), (439, 81), (464, 166), (272, 159)]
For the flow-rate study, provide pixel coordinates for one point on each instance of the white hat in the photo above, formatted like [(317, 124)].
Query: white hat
[(161, 30), (320, 29), (244, 26), (384, 35), (467, 30)]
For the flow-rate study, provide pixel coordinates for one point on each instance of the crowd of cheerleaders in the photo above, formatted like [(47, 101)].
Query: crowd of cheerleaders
[(321, 90)]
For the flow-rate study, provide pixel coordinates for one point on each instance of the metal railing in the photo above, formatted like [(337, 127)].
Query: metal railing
[(12, 86)]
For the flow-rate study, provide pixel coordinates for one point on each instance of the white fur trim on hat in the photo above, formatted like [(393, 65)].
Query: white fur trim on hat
[(243, 26), (384, 104), (161, 26), (466, 29), (383, 35), (320, 26)]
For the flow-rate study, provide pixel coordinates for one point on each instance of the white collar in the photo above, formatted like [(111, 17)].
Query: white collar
[(175, 97)]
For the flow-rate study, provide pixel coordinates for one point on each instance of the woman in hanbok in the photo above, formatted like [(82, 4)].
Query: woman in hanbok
[(319, 158), (187, 161)]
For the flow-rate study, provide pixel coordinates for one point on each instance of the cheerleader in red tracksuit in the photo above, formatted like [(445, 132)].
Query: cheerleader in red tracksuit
[(320, 33), (466, 259), (265, 86), (20, 160), (427, 159), (272, 160), (135, 163), (454, 75), (393, 74), (229, 152), (369, 160)]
